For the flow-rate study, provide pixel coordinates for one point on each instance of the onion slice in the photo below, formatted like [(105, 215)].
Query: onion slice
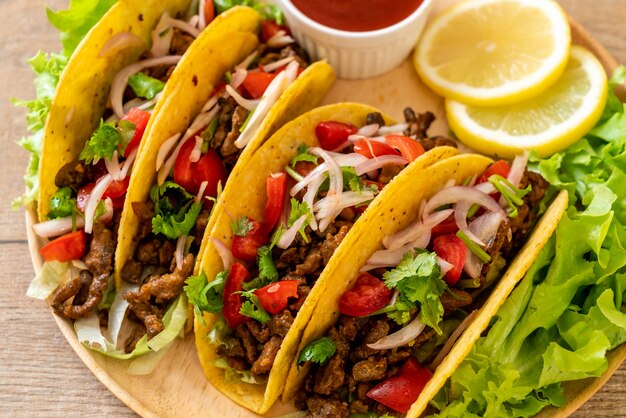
[(450, 342), (277, 64), (119, 42), (247, 104), (127, 165), (95, 197), (165, 149), (368, 130), (246, 63), (196, 153), (400, 338), (201, 190), (225, 254), (120, 81), (56, 227), (113, 165), (378, 162), (180, 251), (290, 234)]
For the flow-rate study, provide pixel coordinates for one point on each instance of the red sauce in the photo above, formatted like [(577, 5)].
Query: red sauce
[(357, 15)]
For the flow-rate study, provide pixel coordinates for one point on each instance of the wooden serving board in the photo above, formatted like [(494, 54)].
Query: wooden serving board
[(178, 388)]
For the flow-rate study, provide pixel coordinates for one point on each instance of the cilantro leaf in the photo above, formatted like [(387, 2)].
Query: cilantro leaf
[(206, 297), (126, 130), (145, 86), (267, 268), (299, 210), (175, 210), (241, 226), (318, 351), (102, 143), (252, 308), (303, 155), (61, 203), (419, 282)]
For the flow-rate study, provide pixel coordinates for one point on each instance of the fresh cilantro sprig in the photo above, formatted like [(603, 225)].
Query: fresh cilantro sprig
[(205, 296), (318, 351), (175, 210), (299, 210), (252, 307), (241, 226), (303, 155), (106, 139), (61, 203), (418, 280)]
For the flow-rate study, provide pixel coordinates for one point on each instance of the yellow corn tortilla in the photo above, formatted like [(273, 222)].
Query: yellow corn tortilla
[(397, 209), (227, 41), (84, 86), (245, 195)]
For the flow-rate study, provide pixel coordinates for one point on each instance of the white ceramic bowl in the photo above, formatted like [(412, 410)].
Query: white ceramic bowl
[(357, 55)]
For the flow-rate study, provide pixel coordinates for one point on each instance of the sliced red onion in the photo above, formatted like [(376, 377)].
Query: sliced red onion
[(324, 207), (169, 164), (162, 37), (201, 190), (393, 129), (292, 71), (486, 226), (142, 104), (225, 254), (279, 40), (473, 266), (180, 251), (368, 130), (461, 210), (120, 81), (444, 265), (450, 342), (343, 146), (485, 187), (201, 121), (185, 27), (210, 103), (119, 42), (196, 153), (113, 165), (201, 16), (279, 84), (518, 167), (246, 63), (165, 149), (389, 258), (334, 170), (309, 197), (357, 137), (379, 162), (239, 76), (195, 21), (56, 227), (92, 203), (268, 68), (414, 231), (108, 213), (127, 165), (400, 338), (247, 104), (290, 234)]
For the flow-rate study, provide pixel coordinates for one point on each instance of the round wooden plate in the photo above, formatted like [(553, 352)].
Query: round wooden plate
[(178, 387)]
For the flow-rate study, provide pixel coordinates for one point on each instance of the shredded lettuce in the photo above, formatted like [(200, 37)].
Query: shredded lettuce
[(51, 275), (73, 24), (566, 313)]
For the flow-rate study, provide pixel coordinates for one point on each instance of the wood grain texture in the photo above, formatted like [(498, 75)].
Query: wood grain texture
[(39, 374)]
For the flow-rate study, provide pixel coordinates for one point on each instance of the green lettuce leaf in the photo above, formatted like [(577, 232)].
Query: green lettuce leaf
[(145, 86)]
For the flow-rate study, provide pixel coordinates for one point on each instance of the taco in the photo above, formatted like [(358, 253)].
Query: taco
[(92, 187), (281, 220), (229, 111), (382, 329)]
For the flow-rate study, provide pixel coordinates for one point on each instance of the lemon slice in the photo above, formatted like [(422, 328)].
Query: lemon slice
[(548, 123), (493, 52)]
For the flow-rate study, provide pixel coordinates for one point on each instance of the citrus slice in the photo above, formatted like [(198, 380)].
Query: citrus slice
[(494, 52), (547, 123)]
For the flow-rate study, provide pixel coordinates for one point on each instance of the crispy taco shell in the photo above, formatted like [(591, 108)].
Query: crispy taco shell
[(245, 195), (83, 89)]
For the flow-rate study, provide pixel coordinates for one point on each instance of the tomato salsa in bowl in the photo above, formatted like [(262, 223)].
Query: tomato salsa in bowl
[(358, 41)]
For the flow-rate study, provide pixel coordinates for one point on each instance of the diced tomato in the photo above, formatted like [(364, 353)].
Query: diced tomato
[(237, 276), (368, 295), (65, 248), (371, 149), (275, 297), (220, 86), (402, 390), (255, 84), (276, 186), (452, 249), (191, 175), (245, 248), (209, 11), (269, 28), (448, 226), (500, 167), (332, 134), (140, 119), (83, 196), (118, 202), (408, 147), (117, 189)]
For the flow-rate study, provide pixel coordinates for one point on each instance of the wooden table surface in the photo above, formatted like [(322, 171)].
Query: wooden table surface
[(39, 374)]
